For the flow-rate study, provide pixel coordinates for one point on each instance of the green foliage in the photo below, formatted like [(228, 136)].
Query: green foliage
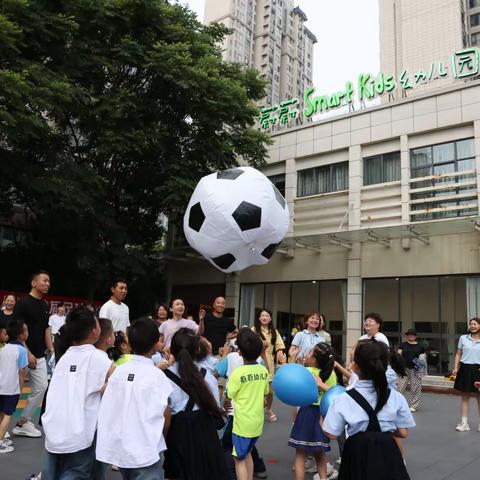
[(110, 112)]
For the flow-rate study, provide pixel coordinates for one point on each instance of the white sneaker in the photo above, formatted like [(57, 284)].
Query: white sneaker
[(310, 465), (27, 430), (5, 448), (333, 475), (7, 442), (7, 435), (462, 427)]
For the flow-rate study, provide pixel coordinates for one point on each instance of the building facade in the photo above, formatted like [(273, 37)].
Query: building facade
[(271, 36), (384, 209), (414, 33)]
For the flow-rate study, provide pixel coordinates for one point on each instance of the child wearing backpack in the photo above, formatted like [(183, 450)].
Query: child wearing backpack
[(374, 416)]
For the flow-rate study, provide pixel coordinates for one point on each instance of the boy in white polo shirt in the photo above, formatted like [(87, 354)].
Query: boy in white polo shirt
[(73, 399), (13, 360), (134, 414)]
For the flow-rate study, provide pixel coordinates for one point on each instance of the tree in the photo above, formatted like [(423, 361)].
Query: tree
[(110, 112)]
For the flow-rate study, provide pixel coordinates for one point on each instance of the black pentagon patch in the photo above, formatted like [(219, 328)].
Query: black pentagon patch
[(224, 261), (279, 196), (230, 174), (247, 216), (270, 250), (196, 217)]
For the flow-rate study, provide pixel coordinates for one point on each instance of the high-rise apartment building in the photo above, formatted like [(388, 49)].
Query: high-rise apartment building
[(271, 36), (415, 33)]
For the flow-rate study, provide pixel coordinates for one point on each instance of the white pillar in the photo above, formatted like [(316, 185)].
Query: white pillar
[(405, 178), (232, 293), (354, 258)]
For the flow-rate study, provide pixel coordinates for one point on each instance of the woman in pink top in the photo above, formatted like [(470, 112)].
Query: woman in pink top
[(168, 328)]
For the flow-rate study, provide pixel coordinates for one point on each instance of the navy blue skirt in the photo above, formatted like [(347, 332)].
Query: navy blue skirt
[(306, 433)]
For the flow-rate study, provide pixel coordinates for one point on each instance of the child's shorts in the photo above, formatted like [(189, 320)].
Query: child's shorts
[(8, 404), (242, 446)]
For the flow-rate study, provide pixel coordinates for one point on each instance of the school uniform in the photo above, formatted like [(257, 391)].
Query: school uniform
[(306, 434), (193, 451), (469, 371), (70, 418), (13, 358), (370, 451), (131, 419)]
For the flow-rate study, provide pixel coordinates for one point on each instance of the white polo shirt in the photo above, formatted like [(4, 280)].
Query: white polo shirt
[(73, 399), (131, 417), (119, 314), (13, 358), (56, 322)]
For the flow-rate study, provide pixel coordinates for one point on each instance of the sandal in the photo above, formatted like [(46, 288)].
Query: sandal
[(271, 417)]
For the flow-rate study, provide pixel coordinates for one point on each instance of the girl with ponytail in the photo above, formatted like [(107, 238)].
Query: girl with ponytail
[(375, 416), (307, 436), (193, 451)]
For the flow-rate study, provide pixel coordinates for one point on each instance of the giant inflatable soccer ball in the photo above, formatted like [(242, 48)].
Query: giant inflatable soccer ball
[(236, 218)]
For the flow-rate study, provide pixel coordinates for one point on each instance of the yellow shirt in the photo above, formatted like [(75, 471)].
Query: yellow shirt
[(331, 381), (247, 387), (269, 358)]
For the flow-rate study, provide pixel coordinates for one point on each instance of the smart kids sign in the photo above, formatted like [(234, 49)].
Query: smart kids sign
[(463, 64)]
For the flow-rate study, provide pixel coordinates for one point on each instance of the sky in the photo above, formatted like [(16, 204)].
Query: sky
[(348, 39)]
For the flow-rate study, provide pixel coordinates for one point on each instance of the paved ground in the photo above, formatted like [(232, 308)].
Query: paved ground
[(434, 450)]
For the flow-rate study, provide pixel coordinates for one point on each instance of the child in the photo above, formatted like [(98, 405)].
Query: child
[(120, 353), (73, 399), (193, 446), (225, 368), (107, 336), (160, 357), (374, 415), (13, 361), (247, 387), (307, 436), (205, 359), (134, 411)]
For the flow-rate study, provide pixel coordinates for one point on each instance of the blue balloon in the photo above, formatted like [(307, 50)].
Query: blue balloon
[(328, 397), (294, 385)]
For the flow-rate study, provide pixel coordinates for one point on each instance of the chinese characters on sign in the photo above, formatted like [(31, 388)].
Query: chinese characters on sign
[(463, 64)]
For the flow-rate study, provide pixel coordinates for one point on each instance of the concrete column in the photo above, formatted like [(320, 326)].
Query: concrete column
[(232, 292), (355, 183), (290, 190), (354, 257), (354, 296), (476, 129), (405, 177)]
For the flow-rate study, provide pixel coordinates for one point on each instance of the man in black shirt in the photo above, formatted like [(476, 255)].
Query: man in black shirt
[(215, 327), (33, 310)]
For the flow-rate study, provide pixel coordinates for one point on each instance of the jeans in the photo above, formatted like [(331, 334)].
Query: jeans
[(69, 466), (153, 472), (38, 383)]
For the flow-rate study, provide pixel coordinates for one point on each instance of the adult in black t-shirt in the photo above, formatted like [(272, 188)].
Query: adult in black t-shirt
[(33, 310), (215, 327), (411, 351)]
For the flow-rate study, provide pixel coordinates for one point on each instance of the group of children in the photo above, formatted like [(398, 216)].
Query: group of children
[(155, 418)]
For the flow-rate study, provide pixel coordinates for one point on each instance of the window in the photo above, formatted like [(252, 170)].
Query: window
[(381, 168), (279, 182), (437, 198), (330, 178), (476, 40), (474, 3), (475, 20)]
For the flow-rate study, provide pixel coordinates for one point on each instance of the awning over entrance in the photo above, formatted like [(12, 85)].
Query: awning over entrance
[(420, 231)]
